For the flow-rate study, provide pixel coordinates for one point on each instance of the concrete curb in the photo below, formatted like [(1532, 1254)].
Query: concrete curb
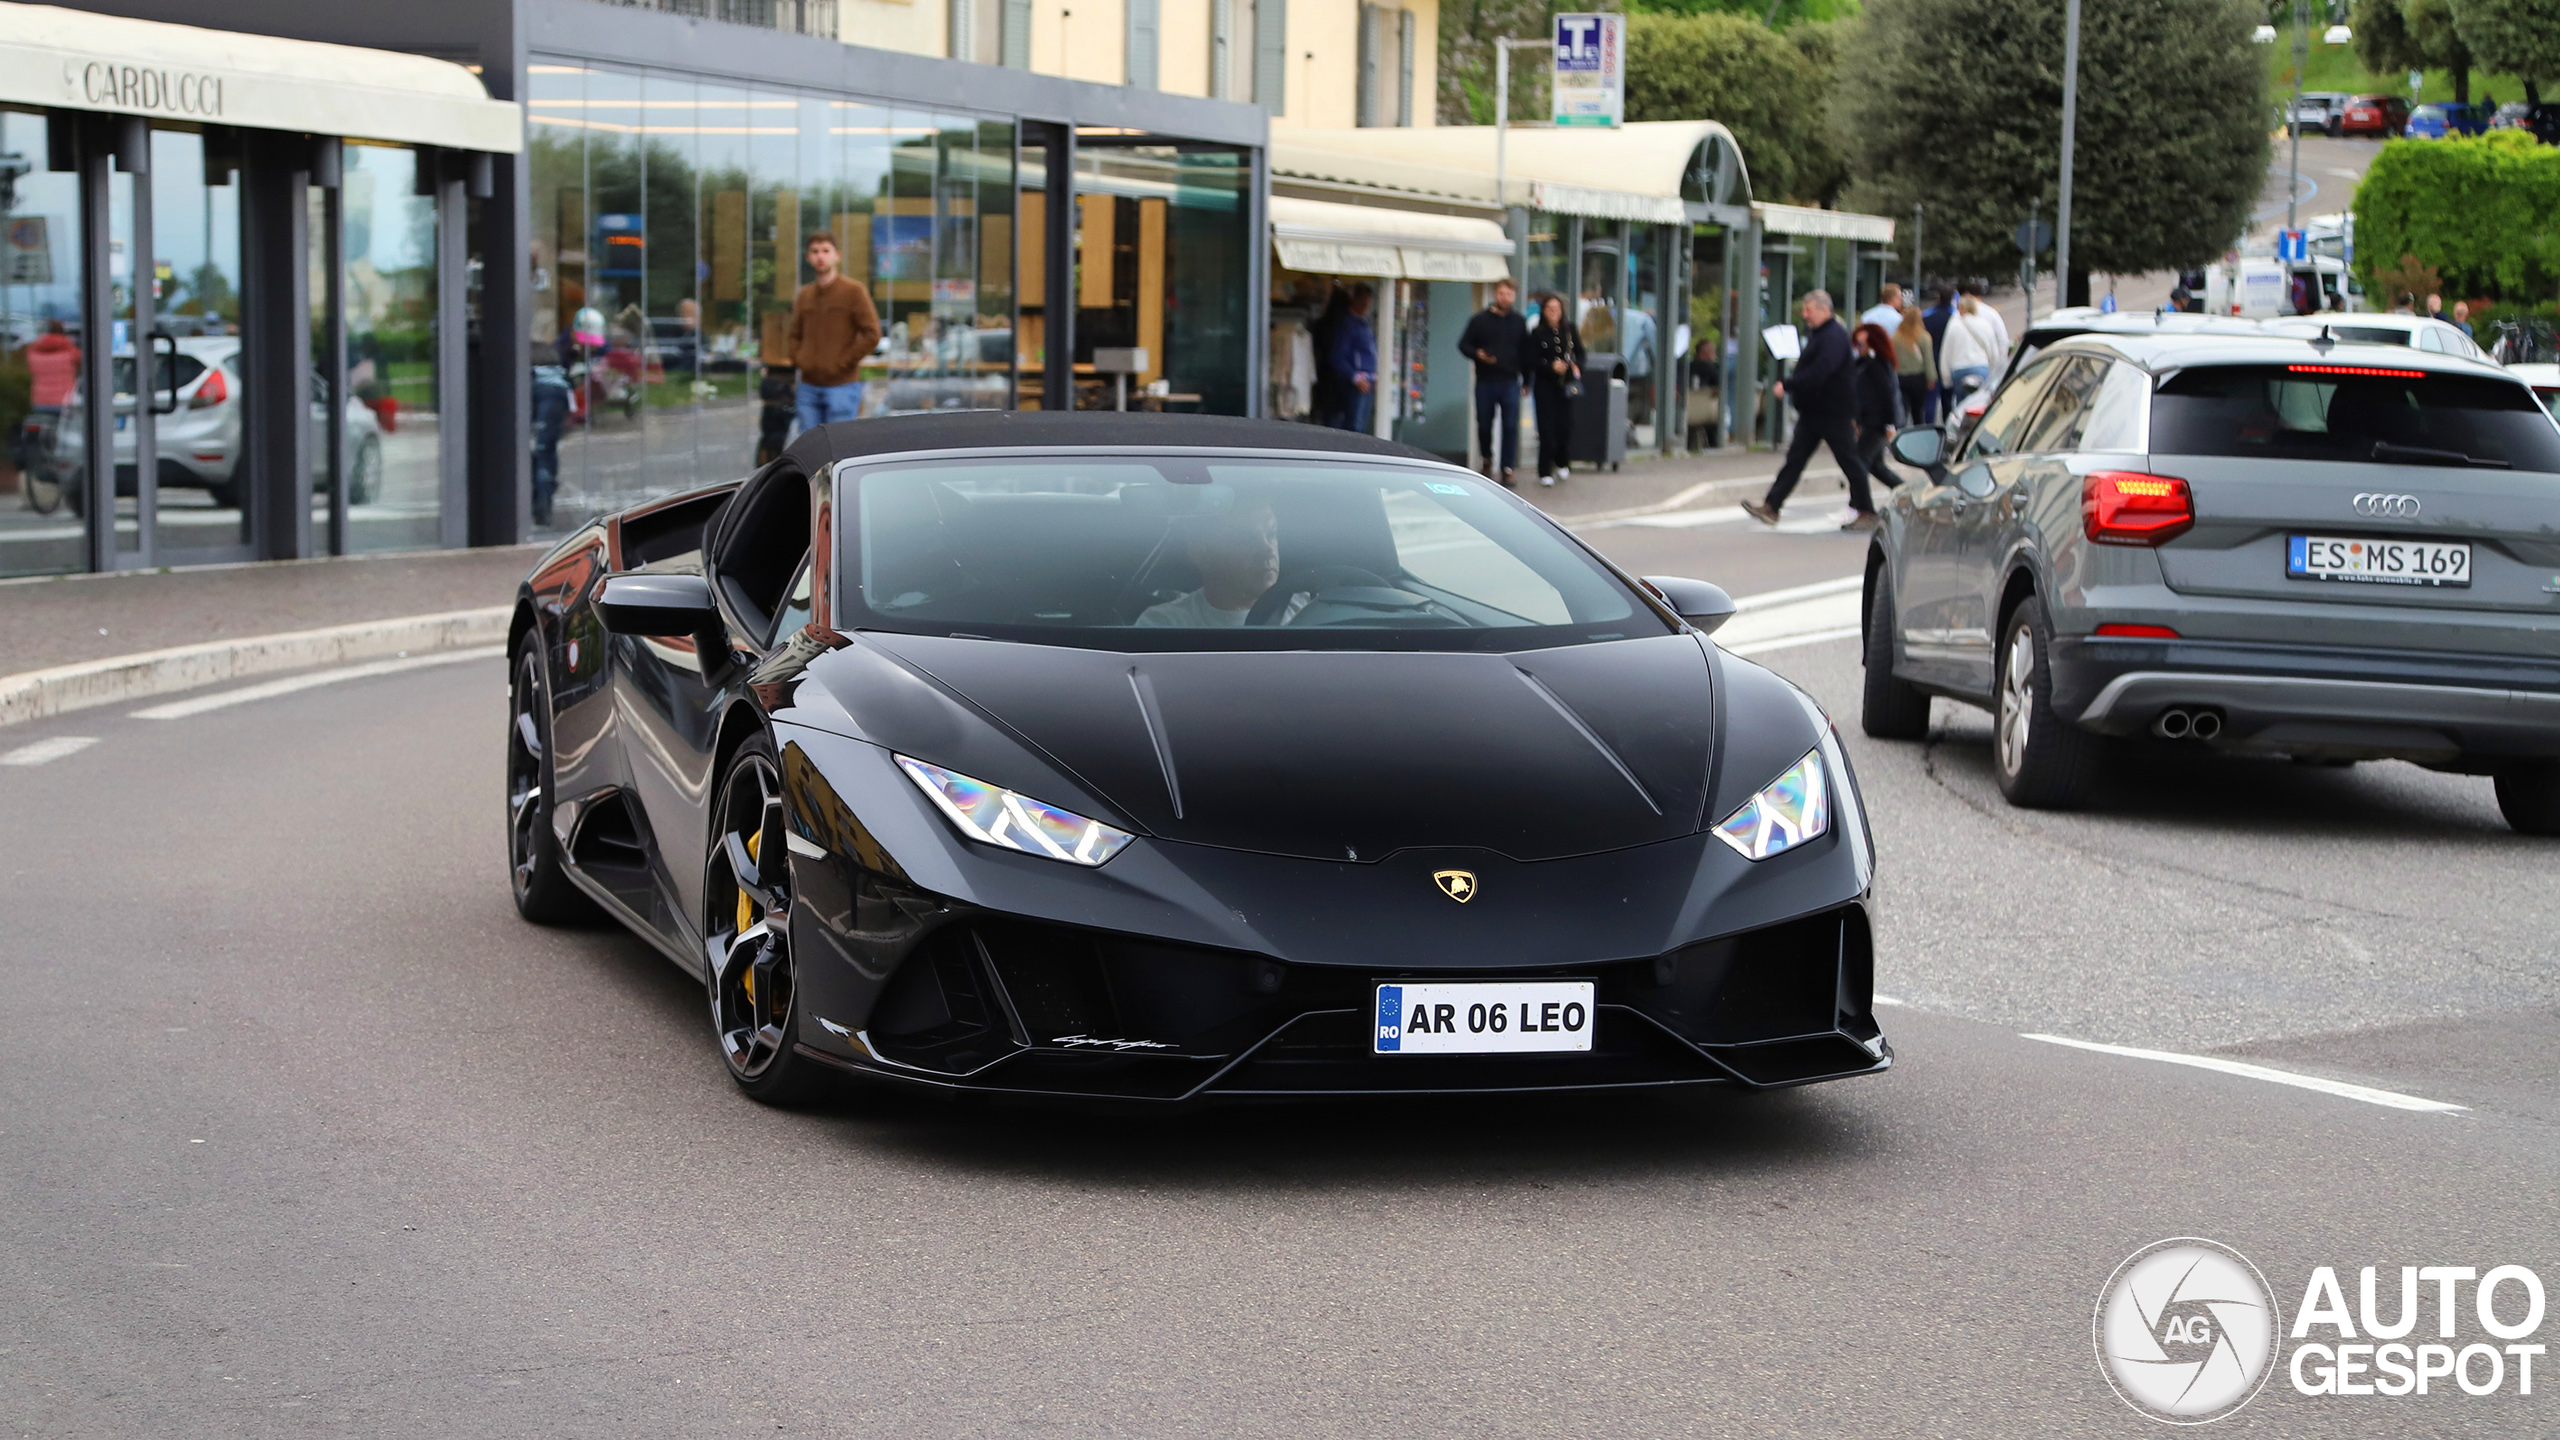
[(39, 693)]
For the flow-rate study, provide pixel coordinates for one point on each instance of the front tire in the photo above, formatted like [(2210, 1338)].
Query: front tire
[(1891, 707), (544, 892), (2042, 761), (2529, 796), (748, 959)]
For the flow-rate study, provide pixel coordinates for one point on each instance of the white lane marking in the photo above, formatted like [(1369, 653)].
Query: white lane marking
[(1759, 621), (1895, 1000), (1793, 593), (181, 709), (1723, 515), (1790, 642), (45, 751), (2366, 1093)]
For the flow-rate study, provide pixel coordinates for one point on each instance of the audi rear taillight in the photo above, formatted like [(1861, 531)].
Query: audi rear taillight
[(211, 393), (2124, 507)]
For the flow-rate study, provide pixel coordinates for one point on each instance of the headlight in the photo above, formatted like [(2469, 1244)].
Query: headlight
[(1795, 808), (993, 815)]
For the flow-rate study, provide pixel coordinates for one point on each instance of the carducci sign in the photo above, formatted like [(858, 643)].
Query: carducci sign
[(107, 85)]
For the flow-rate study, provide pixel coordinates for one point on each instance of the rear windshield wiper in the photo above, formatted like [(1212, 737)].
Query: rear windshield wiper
[(2385, 450)]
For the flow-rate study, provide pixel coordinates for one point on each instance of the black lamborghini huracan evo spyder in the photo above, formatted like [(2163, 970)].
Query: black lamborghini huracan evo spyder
[(1176, 758)]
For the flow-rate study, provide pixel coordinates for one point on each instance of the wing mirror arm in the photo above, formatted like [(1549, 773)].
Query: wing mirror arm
[(663, 605), (1704, 606)]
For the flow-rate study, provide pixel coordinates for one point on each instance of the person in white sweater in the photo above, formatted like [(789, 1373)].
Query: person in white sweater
[(1977, 340)]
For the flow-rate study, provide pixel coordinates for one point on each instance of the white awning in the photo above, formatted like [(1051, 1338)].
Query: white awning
[(1830, 224), (80, 61), (1629, 172), (1326, 238)]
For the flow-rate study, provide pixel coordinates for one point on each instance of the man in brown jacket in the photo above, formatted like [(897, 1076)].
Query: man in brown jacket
[(833, 329)]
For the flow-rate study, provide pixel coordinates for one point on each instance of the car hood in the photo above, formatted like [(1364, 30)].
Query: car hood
[(1324, 754)]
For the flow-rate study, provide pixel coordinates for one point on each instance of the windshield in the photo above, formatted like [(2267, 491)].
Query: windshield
[(2352, 413), (1161, 553)]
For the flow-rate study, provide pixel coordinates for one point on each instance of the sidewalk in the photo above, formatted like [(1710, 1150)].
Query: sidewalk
[(1726, 475), (63, 620)]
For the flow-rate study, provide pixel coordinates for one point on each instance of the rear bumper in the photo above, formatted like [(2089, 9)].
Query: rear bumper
[(2318, 700)]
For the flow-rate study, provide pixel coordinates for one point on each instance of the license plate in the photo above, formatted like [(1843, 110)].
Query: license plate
[(1474, 1018), (2378, 562)]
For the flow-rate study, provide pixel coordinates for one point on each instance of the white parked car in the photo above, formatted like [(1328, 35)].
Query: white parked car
[(2423, 332), (200, 441)]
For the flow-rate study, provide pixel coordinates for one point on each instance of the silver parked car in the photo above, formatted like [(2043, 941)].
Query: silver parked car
[(2336, 552), (199, 441)]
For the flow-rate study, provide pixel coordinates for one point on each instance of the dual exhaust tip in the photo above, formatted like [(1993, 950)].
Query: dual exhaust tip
[(2180, 723)]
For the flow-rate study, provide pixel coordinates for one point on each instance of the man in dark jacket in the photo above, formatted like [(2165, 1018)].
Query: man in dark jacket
[(1942, 308), (1826, 414), (1493, 340)]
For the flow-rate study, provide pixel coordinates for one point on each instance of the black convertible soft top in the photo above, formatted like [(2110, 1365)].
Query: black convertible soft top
[(991, 429)]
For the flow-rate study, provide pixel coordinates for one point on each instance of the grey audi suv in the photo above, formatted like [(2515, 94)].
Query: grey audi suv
[(2331, 551)]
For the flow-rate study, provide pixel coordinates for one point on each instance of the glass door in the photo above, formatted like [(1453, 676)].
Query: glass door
[(197, 495)]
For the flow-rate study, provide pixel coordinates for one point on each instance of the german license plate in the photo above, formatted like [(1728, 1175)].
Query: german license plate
[(2378, 562), (1483, 1018)]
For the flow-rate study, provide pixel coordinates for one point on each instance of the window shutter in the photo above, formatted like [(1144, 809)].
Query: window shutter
[(1404, 67), (1271, 55), (1014, 44), (1373, 25), (1142, 44), (964, 29)]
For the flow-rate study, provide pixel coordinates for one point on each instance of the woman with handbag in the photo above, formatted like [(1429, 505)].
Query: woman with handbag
[(1555, 375)]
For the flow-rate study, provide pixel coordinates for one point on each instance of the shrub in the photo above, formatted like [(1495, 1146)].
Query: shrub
[(2484, 211)]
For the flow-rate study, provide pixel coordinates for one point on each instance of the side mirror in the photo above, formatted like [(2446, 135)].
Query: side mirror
[(658, 605), (1974, 481), (1701, 604), (1920, 447)]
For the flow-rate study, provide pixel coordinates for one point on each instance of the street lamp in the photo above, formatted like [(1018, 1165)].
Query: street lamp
[(2070, 117), (1502, 109)]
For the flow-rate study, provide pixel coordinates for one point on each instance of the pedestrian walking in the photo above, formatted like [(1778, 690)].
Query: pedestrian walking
[(1826, 414), (833, 330), (1493, 340), (1349, 375), (1972, 346), (1875, 384), (1887, 311), (1555, 377), (1915, 364), (1942, 309)]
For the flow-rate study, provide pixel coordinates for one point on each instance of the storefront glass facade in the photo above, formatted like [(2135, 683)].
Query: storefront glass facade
[(42, 359), (669, 217)]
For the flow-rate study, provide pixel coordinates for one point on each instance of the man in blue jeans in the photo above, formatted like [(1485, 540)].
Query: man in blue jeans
[(833, 330), (1493, 339)]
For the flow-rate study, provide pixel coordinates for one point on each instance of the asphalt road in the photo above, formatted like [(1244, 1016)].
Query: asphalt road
[(303, 1132)]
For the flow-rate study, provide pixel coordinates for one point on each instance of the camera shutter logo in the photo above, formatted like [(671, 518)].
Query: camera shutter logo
[(2186, 1331)]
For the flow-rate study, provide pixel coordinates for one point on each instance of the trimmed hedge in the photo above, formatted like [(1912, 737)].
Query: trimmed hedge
[(2485, 211)]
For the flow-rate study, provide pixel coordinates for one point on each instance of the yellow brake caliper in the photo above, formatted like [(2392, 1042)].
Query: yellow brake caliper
[(747, 912)]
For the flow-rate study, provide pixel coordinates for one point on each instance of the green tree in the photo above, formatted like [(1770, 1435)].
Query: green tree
[(1958, 104), (2395, 35), (2516, 37), (1769, 89), (2483, 212)]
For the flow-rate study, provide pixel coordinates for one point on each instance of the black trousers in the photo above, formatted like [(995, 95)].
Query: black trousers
[(1499, 401), (1915, 398), (1555, 426), (1823, 427), (1871, 445)]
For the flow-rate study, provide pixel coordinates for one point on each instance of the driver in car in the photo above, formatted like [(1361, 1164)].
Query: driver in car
[(1238, 557)]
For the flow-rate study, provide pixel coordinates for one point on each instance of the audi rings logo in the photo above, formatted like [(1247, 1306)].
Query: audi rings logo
[(2387, 507), (2186, 1331)]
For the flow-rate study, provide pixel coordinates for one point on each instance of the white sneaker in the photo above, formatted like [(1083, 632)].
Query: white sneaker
[(1564, 472), (1843, 515), (1548, 481)]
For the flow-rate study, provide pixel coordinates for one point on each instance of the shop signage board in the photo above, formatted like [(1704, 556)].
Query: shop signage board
[(1590, 69)]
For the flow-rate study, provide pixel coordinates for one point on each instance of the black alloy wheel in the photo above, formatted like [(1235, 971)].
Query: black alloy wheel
[(1891, 708), (748, 961), (2042, 761), (544, 893)]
